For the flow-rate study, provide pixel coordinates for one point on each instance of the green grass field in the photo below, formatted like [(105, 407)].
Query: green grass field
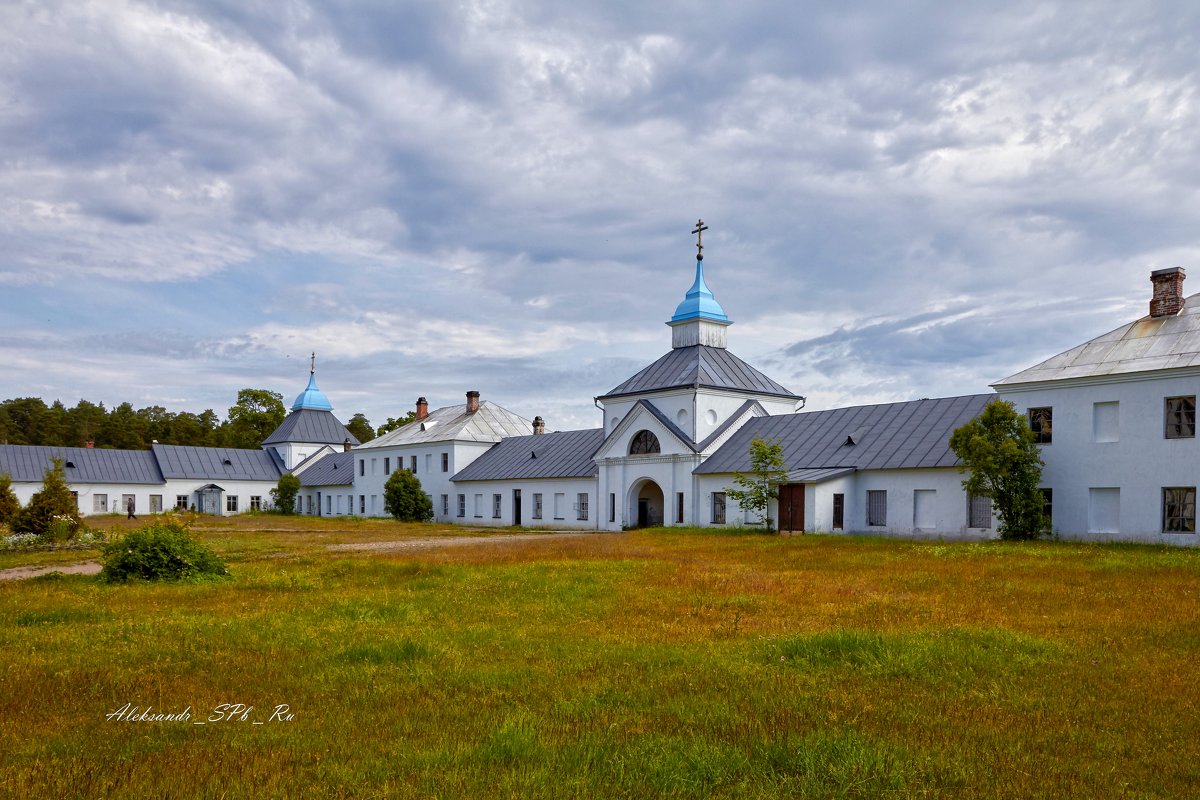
[(648, 664)]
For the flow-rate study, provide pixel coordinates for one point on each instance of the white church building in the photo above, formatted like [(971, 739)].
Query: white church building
[(1115, 418)]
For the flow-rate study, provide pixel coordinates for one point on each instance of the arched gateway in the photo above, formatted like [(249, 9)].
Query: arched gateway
[(646, 503)]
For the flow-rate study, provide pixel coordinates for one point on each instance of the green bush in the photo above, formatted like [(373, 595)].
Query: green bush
[(283, 496), (404, 499), (9, 505), (163, 551), (52, 510)]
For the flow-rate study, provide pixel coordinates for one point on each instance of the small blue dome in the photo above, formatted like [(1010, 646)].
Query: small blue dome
[(312, 398), (699, 302)]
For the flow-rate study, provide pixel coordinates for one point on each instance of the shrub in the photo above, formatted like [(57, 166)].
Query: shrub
[(50, 503), (9, 505), (163, 551), (404, 499), (283, 496)]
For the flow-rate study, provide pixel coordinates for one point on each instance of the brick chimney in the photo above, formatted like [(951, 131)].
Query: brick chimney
[(422, 408), (472, 402), (347, 446), (89, 444), (1168, 291), (539, 425)]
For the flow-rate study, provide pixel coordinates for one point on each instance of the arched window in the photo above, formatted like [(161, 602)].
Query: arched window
[(644, 443)]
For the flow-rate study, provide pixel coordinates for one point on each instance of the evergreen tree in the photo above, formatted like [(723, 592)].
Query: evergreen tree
[(360, 426), (54, 499)]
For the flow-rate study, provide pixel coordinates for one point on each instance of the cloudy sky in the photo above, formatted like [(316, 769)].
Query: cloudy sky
[(494, 195)]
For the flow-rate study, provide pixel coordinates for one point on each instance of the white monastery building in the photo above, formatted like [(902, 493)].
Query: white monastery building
[(1115, 418)]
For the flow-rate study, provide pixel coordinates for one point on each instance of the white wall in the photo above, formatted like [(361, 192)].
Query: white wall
[(434, 481), (1139, 463), (114, 492), (568, 518)]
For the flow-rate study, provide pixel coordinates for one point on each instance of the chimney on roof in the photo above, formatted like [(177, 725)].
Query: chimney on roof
[(539, 425), (1168, 291), (422, 408), (89, 444), (472, 402), (347, 446)]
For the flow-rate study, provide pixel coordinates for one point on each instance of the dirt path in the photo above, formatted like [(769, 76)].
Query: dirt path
[(78, 568), (93, 567)]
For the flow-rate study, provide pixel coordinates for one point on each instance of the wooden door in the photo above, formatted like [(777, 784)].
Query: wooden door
[(791, 507)]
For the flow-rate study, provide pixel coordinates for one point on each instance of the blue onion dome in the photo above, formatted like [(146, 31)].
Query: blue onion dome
[(312, 398), (699, 302)]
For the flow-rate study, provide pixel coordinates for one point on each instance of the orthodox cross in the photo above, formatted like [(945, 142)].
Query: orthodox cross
[(699, 231), (312, 370)]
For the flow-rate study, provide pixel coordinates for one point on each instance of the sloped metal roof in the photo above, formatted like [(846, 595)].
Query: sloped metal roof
[(890, 436), (309, 425), (26, 463), (1147, 344), (217, 463), (700, 365), (567, 454), (490, 423), (335, 469)]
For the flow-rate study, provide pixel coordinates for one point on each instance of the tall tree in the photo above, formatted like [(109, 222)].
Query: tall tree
[(395, 422), (760, 485), (257, 413), (360, 426), (998, 450), (53, 500), (86, 421)]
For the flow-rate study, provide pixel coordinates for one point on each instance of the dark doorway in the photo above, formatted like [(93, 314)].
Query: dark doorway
[(516, 506), (839, 511), (319, 509), (791, 507), (643, 513)]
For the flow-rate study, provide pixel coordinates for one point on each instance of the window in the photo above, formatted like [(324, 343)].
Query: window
[(256, 502), (718, 508), (979, 512), (1104, 510), (1041, 422), (496, 506), (362, 466), (925, 509), (612, 507), (99, 503), (412, 464), (1179, 509), (328, 504), (374, 465), (1047, 509), (231, 503), (679, 508), (1180, 417), (877, 507), (560, 500), (362, 504), (445, 505), (644, 443), (156, 504), (583, 506), (387, 466), (1106, 422), (429, 462), (537, 505), (462, 505), (128, 503), (308, 503), (478, 506), (445, 462), (839, 512), (181, 502), (374, 503)]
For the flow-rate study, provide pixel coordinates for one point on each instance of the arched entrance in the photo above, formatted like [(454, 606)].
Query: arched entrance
[(646, 504)]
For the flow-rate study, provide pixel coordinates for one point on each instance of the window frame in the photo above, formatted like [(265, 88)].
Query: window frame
[(497, 504), (1185, 509), (877, 508), (100, 503), (1043, 432), (231, 503), (537, 506), (645, 443), (719, 508), (462, 506), (1185, 417), (583, 506), (975, 507)]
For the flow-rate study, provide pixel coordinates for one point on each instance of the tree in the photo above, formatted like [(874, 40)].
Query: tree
[(760, 485), (283, 496), (255, 416), (997, 448), (360, 426), (395, 422), (53, 500), (9, 504), (404, 499)]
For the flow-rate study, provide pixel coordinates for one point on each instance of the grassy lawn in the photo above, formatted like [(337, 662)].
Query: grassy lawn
[(647, 664)]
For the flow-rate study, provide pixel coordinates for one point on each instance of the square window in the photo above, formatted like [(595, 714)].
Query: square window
[(1179, 509), (256, 502), (876, 507), (99, 503), (1041, 422), (181, 502), (231, 503), (1180, 417)]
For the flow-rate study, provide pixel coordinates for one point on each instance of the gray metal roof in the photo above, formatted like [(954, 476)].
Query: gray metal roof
[(566, 454), (217, 463), (82, 465), (890, 436), (1147, 344), (699, 365), (490, 423), (309, 425), (334, 469)]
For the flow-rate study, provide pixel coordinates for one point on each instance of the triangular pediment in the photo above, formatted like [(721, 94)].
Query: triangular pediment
[(644, 416)]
